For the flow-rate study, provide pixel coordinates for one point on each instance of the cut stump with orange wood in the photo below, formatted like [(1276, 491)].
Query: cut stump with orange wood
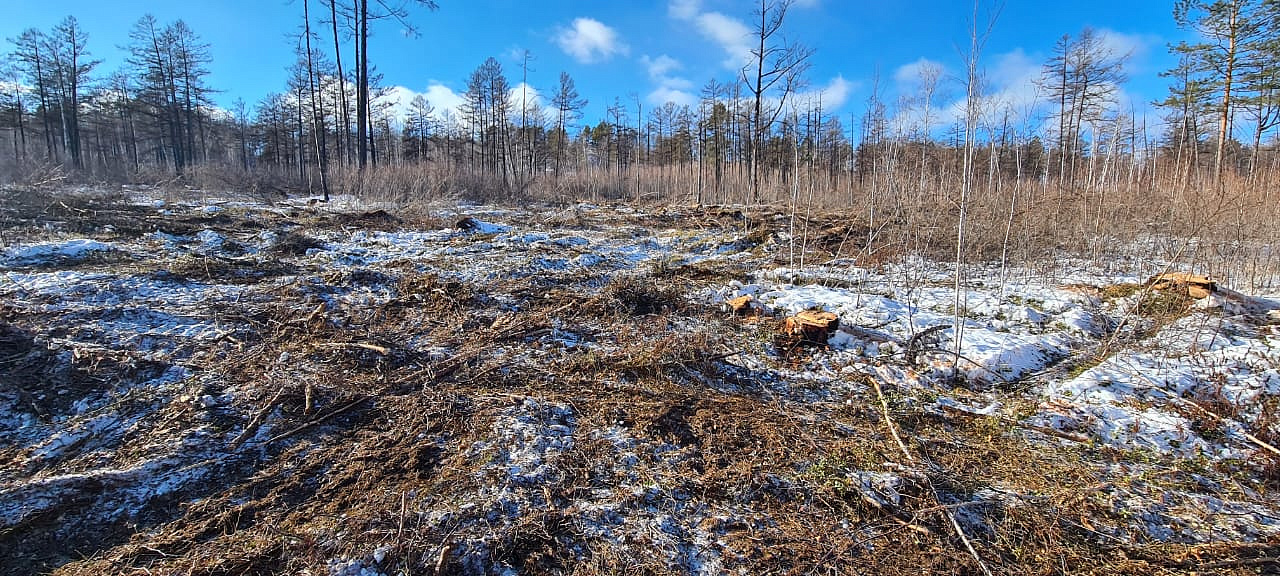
[(742, 305), (1195, 285), (812, 325)]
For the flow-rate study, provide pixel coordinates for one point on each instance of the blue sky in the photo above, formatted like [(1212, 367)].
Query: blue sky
[(653, 51)]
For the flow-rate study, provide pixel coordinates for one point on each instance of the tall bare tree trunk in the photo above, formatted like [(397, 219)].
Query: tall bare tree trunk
[(317, 117), (344, 135), (362, 82)]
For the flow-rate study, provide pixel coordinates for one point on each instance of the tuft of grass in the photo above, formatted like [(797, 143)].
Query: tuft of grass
[(1164, 305), (1118, 291), (641, 296), (295, 244)]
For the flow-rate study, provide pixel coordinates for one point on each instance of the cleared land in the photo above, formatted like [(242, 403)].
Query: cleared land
[(221, 387)]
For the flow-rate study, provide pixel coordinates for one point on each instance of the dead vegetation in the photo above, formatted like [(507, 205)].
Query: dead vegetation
[(399, 419)]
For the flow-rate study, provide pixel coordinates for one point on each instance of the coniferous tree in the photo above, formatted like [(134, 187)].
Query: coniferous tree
[(569, 105), (1233, 34), (66, 45)]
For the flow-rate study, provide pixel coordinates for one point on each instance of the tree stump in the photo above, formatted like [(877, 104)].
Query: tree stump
[(812, 325), (1194, 285), (742, 305)]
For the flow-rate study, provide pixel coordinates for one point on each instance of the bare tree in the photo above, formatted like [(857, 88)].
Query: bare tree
[(30, 57), (776, 70), (1188, 101), (417, 128), (569, 105), (390, 9), (11, 107), (1083, 76), (71, 68), (343, 115), (317, 115), (526, 141)]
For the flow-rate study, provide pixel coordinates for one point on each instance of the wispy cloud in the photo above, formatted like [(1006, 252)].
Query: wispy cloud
[(661, 66), (831, 96), (911, 76), (670, 87), (730, 34), (589, 41), (684, 9), (530, 96), (663, 94)]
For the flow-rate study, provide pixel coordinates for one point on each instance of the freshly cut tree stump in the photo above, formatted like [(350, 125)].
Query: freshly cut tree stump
[(741, 305), (812, 325), (1195, 285)]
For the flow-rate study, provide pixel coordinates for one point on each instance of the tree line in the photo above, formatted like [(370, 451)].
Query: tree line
[(758, 136)]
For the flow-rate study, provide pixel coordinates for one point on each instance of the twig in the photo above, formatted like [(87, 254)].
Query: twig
[(302, 427), (1195, 406), (1263, 561), (257, 419), (1082, 439), (374, 347), (914, 344), (893, 430), (1009, 421), (1268, 447), (960, 532), (975, 363), (888, 419)]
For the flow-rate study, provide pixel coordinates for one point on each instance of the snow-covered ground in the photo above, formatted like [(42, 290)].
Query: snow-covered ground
[(1048, 353)]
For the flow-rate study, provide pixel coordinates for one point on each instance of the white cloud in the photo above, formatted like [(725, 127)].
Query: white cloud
[(661, 66), (663, 94), (440, 97), (531, 96), (589, 41), (908, 76), (684, 9), (1008, 85), (731, 34), (669, 88), (1013, 81), (444, 98), (1121, 44), (832, 96)]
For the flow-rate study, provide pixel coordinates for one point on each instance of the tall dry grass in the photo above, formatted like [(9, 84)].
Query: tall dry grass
[(905, 203), (1147, 213)]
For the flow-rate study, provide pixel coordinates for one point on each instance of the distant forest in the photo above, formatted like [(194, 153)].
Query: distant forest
[(748, 140)]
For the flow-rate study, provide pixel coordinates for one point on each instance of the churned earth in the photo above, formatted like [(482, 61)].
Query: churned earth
[(210, 385)]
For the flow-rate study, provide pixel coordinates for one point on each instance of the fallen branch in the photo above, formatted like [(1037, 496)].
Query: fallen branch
[(256, 420), (383, 350), (343, 409), (1261, 443), (955, 525), (948, 410), (1201, 409), (1264, 561), (888, 419)]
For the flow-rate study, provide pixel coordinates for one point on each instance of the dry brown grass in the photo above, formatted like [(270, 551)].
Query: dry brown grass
[(373, 444), (1224, 230)]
